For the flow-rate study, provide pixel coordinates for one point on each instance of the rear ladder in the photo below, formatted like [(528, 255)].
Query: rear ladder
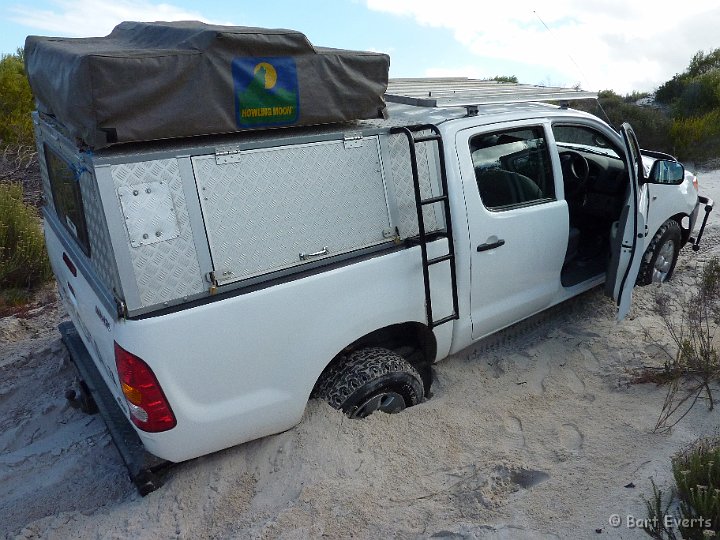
[(414, 138)]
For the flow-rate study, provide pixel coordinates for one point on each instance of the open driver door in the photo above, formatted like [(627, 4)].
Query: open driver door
[(627, 242)]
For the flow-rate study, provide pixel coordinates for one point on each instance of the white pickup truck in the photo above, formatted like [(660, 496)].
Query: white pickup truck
[(217, 284)]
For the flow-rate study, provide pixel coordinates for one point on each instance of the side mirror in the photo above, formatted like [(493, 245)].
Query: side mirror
[(665, 171)]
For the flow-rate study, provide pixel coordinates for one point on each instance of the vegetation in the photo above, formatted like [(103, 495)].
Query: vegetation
[(694, 101), (696, 90), (690, 372), (697, 138), (23, 261), (651, 125), (692, 508), (684, 119), (658, 508), (504, 79), (697, 475), (16, 101)]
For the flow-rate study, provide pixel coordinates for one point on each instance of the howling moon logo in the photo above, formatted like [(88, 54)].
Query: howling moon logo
[(266, 91), (267, 74)]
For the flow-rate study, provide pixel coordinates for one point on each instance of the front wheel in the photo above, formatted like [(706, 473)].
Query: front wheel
[(661, 255), (373, 379)]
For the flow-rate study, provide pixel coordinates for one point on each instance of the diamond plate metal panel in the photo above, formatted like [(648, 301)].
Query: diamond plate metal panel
[(169, 270), (149, 213), (102, 257), (401, 178), (270, 205)]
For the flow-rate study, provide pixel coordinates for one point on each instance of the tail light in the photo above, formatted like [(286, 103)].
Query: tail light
[(695, 183), (149, 409)]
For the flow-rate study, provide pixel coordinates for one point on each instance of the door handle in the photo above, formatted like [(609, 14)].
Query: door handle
[(491, 245), (306, 256)]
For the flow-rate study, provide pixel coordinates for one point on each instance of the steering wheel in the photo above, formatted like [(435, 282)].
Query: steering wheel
[(576, 170)]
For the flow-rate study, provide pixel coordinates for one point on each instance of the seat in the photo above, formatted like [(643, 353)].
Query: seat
[(573, 244), (500, 188)]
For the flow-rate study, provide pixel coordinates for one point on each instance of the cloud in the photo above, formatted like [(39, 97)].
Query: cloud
[(83, 18), (612, 44)]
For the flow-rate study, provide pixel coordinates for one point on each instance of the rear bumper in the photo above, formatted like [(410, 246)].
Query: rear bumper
[(142, 466)]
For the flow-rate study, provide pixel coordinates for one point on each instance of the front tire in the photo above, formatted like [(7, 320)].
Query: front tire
[(661, 255), (372, 379)]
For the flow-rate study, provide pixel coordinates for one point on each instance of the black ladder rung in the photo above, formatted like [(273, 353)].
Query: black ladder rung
[(426, 138), (449, 318), (416, 240), (432, 200), (448, 257)]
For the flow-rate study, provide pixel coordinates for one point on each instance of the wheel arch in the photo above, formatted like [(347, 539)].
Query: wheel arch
[(683, 220), (412, 340)]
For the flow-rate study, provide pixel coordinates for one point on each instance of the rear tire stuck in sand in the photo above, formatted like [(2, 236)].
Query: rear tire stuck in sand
[(372, 379)]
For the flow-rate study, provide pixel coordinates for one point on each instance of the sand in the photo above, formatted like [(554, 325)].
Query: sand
[(534, 434)]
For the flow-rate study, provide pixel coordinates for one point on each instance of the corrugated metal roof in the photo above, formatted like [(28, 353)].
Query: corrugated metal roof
[(464, 92)]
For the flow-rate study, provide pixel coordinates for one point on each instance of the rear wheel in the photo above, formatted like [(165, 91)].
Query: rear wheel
[(372, 379), (661, 255)]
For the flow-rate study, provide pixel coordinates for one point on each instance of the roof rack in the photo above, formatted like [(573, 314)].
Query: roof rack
[(464, 92)]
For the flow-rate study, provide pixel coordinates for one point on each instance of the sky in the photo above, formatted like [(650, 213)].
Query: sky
[(605, 44)]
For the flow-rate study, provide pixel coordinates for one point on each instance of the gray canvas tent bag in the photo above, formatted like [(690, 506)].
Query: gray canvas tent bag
[(148, 81)]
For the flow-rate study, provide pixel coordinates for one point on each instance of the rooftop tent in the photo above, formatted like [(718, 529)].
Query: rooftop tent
[(148, 81)]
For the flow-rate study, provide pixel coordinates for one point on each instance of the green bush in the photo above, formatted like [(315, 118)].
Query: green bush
[(692, 510), (23, 259), (697, 475), (16, 101), (699, 96), (651, 125), (697, 138), (504, 79), (700, 65)]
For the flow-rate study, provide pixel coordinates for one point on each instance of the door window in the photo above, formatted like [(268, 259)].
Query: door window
[(512, 168)]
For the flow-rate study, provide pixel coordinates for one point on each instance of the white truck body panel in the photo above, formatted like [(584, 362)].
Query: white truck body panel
[(227, 376)]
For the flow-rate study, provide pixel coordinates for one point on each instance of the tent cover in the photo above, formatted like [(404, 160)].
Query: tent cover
[(148, 81)]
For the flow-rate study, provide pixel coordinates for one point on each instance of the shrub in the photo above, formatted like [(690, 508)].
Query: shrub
[(658, 508), (697, 475), (692, 508), (700, 65), (692, 370), (16, 101), (699, 96), (697, 138), (504, 79), (23, 260), (651, 125)]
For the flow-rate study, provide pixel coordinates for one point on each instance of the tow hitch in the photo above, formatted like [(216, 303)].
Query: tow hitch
[(79, 396), (92, 394)]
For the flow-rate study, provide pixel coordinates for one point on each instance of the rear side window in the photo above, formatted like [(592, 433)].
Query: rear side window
[(512, 168), (65, 185)]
